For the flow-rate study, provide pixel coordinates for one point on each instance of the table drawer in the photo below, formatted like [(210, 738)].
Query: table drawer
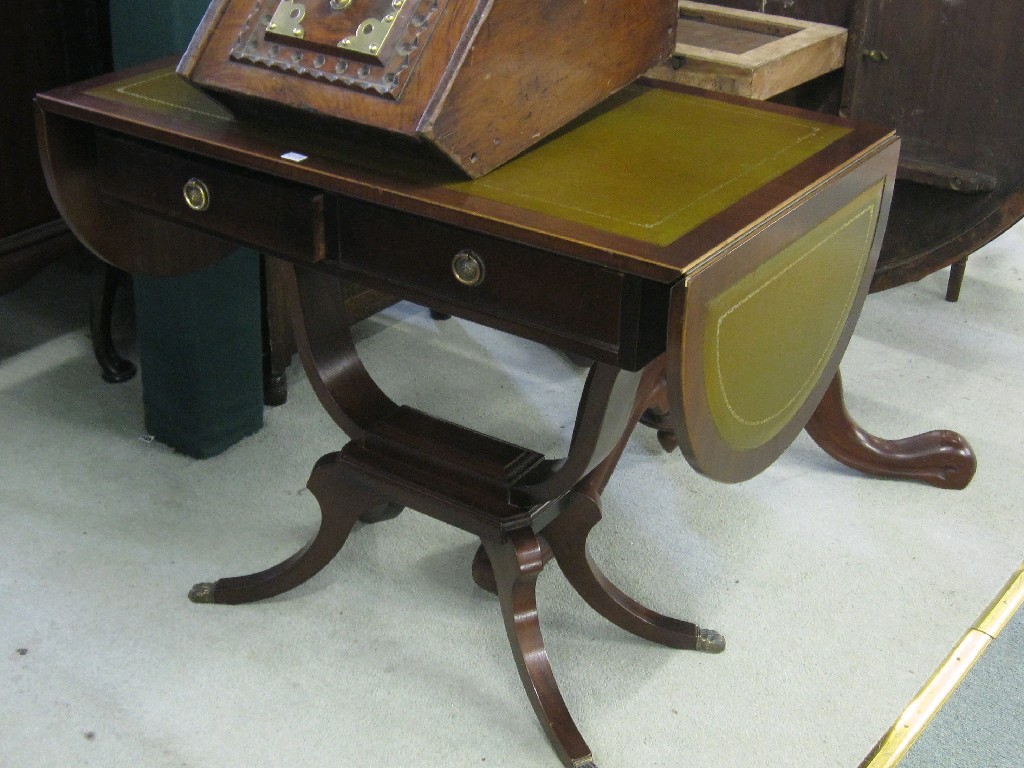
[(535, 293), (272, 216)]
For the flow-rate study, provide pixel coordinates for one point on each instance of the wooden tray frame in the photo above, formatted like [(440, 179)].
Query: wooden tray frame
[(802, 51)]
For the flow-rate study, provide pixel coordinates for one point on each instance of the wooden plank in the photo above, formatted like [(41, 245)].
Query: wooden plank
[(750, 54)]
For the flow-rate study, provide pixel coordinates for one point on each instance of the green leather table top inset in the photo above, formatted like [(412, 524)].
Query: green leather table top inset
[(769, 335), (653, 164), (164, 92), (649, 163)]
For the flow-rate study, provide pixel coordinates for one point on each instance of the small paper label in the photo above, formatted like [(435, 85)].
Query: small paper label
[(295, 157)]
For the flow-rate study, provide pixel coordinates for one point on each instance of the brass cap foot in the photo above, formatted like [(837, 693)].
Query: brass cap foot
[(709, 641), (202, 592)]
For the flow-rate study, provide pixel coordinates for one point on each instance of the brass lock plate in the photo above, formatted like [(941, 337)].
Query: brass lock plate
[(372, 45)]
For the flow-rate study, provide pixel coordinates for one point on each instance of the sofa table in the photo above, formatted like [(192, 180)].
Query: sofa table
[(709, 255)]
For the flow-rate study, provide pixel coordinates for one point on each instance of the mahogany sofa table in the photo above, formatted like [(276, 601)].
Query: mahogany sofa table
[(709, 255)]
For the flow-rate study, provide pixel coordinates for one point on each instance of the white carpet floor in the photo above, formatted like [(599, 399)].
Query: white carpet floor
[(838, 594)]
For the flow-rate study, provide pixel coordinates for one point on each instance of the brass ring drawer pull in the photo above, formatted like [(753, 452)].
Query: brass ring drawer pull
[(468, 268), (197, 194)]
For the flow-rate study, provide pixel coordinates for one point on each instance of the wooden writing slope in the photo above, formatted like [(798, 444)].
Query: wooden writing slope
[(478, 80), (709, 255)]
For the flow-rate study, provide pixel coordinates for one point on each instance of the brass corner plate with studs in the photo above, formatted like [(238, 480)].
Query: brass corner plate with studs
[(370, 45), (473, 83)]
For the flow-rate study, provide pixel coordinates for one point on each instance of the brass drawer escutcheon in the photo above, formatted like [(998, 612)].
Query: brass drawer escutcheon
[(468, 268), (197, 194)]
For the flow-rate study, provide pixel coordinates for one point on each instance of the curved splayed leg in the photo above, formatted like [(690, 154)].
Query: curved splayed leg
[(517, 561), (114, 368), (342, 501), (567, 536)]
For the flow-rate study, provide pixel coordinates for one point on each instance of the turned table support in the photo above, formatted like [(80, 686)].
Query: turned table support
[(524, 507)]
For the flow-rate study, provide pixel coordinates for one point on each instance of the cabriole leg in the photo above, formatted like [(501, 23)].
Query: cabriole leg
[(113, 368), (941, 457)]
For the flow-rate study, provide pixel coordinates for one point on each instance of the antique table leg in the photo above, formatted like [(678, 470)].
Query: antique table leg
[(277, 339), (351, 397), (518, 561), (941, 457), (565, 539), (114, 368), (956, 279), (343, 499), (567, 535)]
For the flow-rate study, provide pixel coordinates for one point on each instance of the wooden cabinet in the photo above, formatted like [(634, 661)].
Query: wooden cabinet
[(946, 77), (823, 11), (43, 45)]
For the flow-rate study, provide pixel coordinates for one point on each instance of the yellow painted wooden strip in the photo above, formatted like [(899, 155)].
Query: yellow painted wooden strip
[(901, 737)]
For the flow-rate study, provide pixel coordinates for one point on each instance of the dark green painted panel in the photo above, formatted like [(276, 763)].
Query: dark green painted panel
[(200, 341), (145, 31), (200, 350)]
